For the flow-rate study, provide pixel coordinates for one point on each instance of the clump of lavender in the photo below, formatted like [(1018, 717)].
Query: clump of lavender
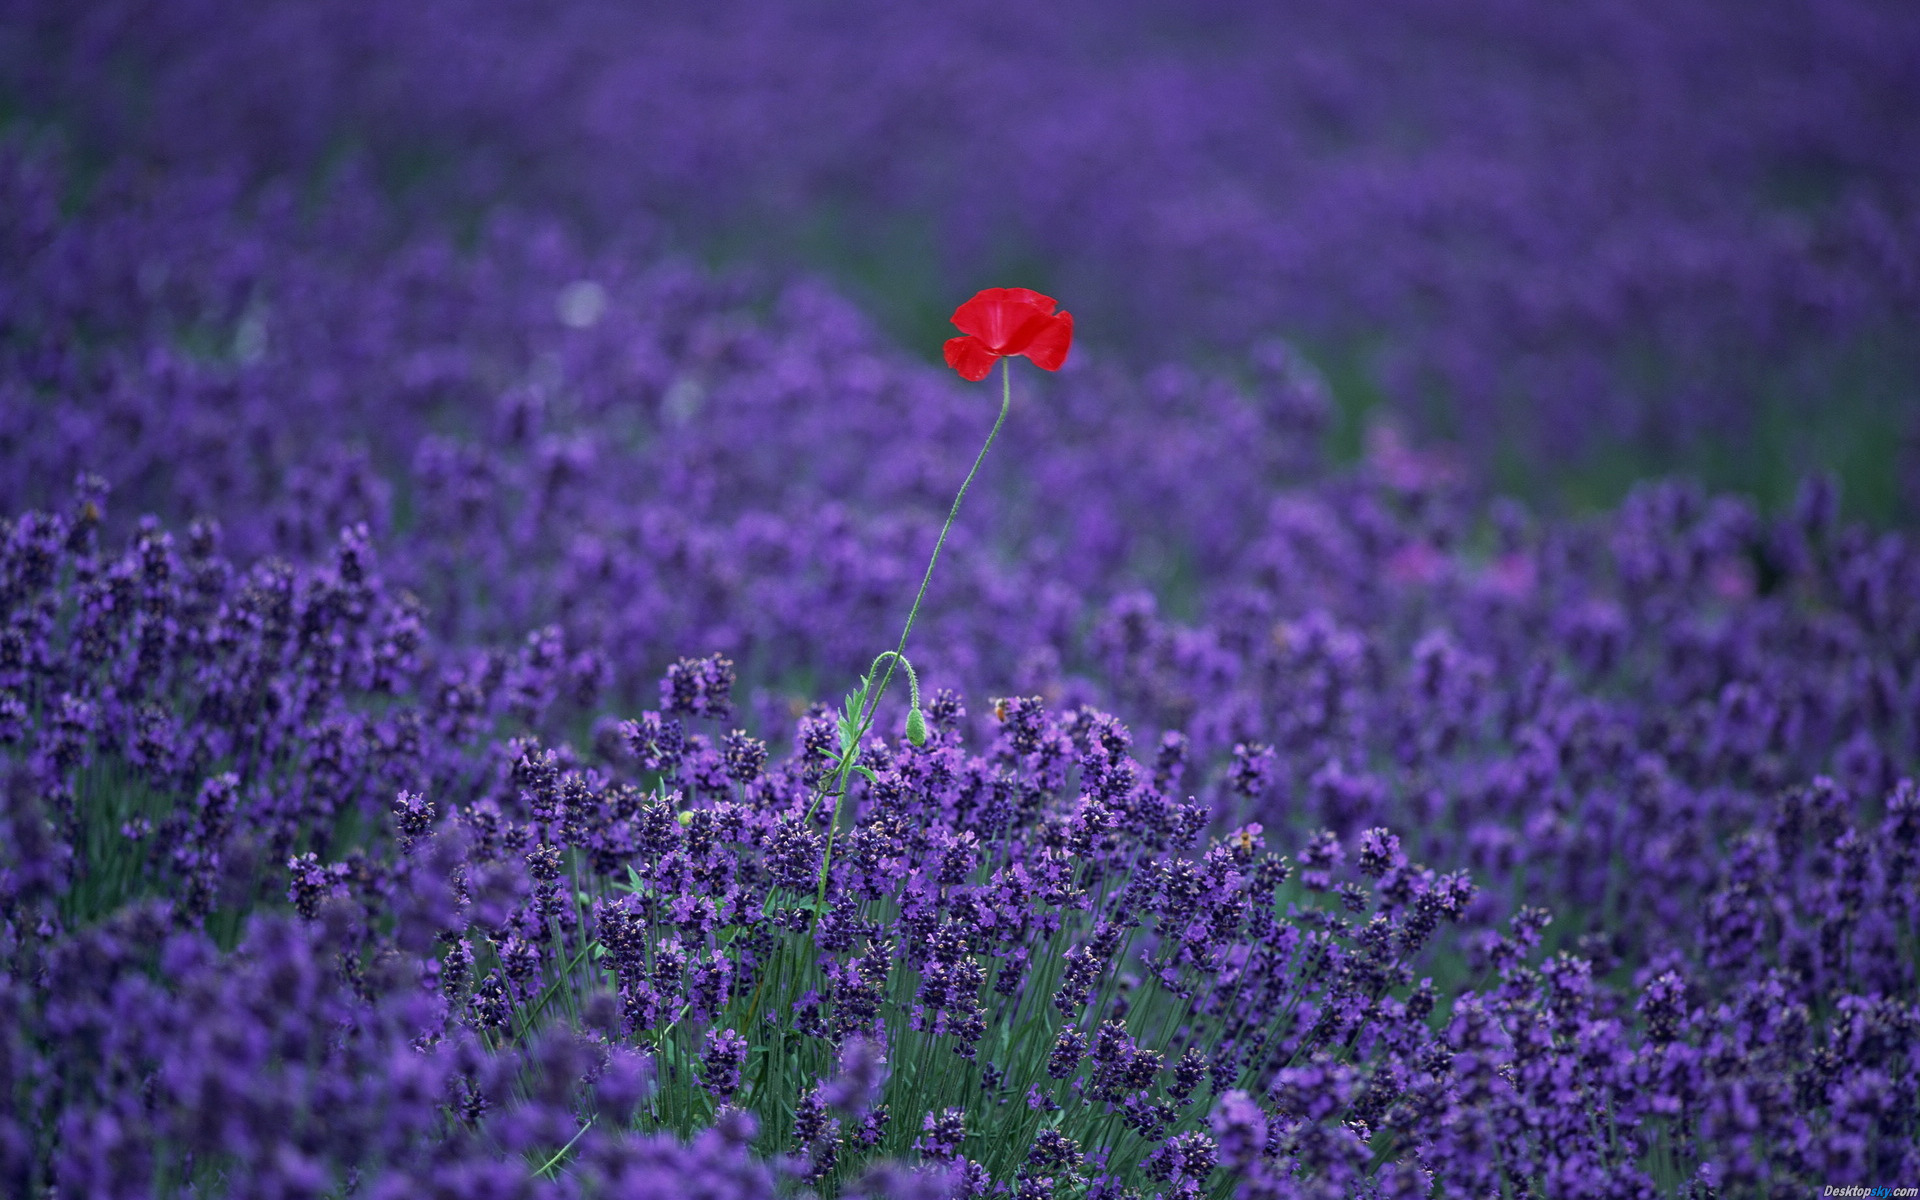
[(720, 1061), (1028, 964), (191, 728), (1024, 962)]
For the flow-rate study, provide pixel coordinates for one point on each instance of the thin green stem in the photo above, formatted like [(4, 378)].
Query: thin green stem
[(553, 1162), (1006, 402), (839, 785)]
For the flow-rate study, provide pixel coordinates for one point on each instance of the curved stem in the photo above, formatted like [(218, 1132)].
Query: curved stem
[(913, 681), (838, 788), (1006, 401)]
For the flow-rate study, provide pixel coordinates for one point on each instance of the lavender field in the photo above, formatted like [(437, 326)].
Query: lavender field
[(1415, 684)]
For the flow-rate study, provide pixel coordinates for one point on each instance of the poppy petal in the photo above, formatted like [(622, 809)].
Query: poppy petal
[(1018, 341), (990, 318), (1048, 346), (1046, 304), (969, 356), (997, 315)]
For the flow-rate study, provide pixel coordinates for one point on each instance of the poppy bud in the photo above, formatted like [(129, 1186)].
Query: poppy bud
[(916, 726)]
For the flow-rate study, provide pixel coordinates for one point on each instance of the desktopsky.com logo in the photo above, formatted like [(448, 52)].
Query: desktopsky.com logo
[(1853, 1192)]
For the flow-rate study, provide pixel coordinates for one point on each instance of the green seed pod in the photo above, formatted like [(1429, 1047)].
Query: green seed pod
[(916, 726)]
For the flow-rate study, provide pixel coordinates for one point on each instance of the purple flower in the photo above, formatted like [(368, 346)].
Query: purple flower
[(720, 1059), (698, 687), (1239, 1129), (941, 1134), (861, 1078)]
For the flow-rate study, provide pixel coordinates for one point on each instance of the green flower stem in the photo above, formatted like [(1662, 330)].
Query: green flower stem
[(913, 681), (553, 1162), (1006, 402), (838, 788)]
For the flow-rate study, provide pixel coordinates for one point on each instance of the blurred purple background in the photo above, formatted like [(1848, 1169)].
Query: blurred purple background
[(1582, 243)]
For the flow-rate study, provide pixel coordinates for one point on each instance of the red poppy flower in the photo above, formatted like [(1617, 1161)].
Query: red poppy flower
[(1002, 322)]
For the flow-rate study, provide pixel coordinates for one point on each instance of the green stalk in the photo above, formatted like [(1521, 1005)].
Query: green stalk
[(1006, 402), (838, 788), (553, 1162)]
